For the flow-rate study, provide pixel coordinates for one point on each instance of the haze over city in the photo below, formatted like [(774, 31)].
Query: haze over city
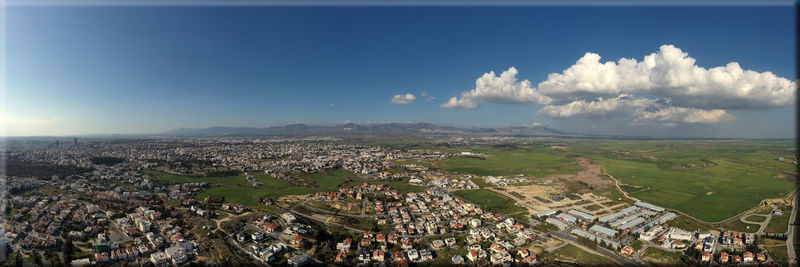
[(717, 72)]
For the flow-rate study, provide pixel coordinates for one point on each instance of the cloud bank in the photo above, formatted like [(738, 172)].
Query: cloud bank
[(679, 91), (404, 99), (640, 110)]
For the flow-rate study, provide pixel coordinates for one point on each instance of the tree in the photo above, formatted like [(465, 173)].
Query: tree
[(68, 249), (18, 260), (37, 258)]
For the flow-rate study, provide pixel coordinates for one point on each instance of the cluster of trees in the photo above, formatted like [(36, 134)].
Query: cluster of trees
[(41, 170), (327, 241), (68, 249), (778, 236), (224, 173), (108, 161), (692, 256)]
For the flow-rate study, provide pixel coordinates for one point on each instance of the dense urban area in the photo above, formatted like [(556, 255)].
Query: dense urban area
[(433, 201)]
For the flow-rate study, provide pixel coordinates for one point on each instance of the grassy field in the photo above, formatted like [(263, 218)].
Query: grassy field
[(687, 224), (637, 245), (779, 254), (161, 177), (233, 190), (401, 186), (490, 201), (581, 256), (481, 183), (680, 154), (661, 257), (766, 210), (237, 189), (769, 159), (249, 195), (329, 180), (512, 161), (739, 226), (756, 218), (778, 224), (710, 194), (612, 194)]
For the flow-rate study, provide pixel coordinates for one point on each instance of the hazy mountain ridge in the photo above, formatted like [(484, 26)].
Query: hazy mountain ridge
[(377, 129)]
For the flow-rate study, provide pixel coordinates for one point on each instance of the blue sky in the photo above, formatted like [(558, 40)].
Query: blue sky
[(81, 70)]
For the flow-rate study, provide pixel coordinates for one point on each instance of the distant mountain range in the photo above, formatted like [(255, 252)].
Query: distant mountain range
[(372, 129)]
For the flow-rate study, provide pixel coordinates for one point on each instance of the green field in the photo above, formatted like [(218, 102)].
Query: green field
[(637, 245), (161, 177), (687, 224), (766, 210), (661, 257), (756, 218), (612, 194), (691, 154), (710, 194), (249, 195), (769, 159), (490, 201), (739, 226), (329, 180), (581, 256), (236, 189), (778, 224), (779, 254), (711, 180), (512, 161)]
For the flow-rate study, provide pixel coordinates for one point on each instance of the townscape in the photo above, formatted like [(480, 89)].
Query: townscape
[(398, 133), (329, 200)]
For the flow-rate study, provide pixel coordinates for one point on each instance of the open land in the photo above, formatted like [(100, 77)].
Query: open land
[(309, 196)]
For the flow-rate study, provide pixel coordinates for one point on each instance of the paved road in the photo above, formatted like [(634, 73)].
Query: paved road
[(604, 251), (761, 225), (364, 206), (328, 223), (790, 234)]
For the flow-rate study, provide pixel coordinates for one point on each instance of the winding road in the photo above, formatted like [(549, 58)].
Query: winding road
[(761, 225)]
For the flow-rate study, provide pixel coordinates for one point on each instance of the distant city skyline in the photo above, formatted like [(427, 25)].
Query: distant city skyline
[(716, 72)]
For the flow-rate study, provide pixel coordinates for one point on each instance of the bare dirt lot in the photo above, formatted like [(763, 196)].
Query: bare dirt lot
[(591, 174)]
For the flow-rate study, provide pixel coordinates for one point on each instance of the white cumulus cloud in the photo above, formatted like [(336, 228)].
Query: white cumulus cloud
[(503, 89), (677, 90), (670, 72), (404, 99)]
